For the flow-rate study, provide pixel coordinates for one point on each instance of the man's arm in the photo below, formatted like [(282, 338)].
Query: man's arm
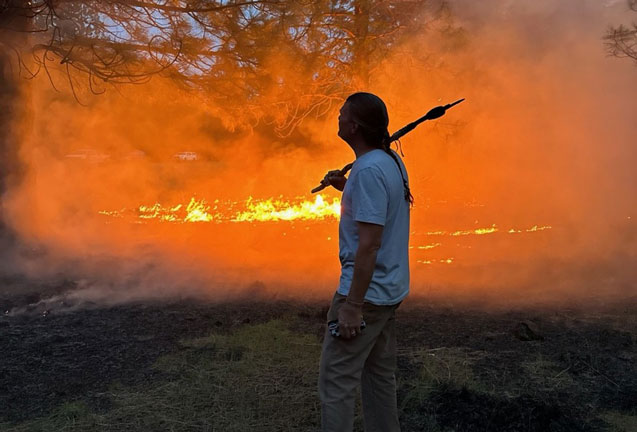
[(369, 241)]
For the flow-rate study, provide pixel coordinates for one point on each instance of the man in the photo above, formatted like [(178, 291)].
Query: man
[(373, 243)]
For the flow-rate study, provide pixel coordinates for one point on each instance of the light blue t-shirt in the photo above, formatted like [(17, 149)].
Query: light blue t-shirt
[(374, 193)]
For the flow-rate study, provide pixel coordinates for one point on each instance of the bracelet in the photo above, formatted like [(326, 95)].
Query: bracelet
[(353, 303)]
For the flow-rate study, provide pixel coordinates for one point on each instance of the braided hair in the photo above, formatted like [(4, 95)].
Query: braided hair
[(370, 113)]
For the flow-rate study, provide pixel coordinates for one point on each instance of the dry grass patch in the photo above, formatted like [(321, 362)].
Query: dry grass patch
[(440, 367), (620, 422), (263, 377)]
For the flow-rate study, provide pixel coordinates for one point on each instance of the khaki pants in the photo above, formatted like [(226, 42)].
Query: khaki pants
[(368, 359)]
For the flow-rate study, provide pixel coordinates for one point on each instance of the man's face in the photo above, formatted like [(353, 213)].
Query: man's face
[(346, 124)]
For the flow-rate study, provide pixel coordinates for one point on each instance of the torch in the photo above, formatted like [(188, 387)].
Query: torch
[(433, 113)]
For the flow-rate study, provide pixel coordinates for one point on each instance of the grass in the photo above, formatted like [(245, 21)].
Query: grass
[(439, 367), (262, 377), (545, 375), (620, 422)]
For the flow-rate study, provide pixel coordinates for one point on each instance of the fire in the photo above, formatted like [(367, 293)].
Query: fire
[(199, 210), (281, 210), (534, 228), (441, 261), (272, 210), (460, 243), (156, 211), (486, 230), (426, 247)]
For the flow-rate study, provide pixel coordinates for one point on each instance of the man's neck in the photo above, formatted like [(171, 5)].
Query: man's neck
[(360, 147)]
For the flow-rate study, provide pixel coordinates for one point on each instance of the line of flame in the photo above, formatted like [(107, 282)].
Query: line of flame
[(255, 210), (442, 261), (490, 230), (280, 210), (276, 210)]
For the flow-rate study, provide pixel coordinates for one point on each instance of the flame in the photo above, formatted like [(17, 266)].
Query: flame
[(198, 210), (478, 231), (272, 210), (425, 247), (441, 261), (534, 228), (156, 211), (281, 210), (487, 230)]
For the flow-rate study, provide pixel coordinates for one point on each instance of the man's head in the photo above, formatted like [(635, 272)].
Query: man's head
[(364, 115)]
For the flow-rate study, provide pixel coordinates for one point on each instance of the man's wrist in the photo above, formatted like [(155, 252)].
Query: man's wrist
[(353, 302)]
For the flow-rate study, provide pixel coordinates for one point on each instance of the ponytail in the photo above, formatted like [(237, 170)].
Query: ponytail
[(370, 113), (387, 148)]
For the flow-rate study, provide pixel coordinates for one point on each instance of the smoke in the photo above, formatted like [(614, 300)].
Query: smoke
[(545, 138), (548, 138)]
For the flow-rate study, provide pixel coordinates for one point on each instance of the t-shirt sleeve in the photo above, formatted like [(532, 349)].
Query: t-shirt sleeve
[(369, 197)]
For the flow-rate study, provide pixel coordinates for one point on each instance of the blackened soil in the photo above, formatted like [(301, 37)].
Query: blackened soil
[(586, 363), (462, 409), (50, 357)]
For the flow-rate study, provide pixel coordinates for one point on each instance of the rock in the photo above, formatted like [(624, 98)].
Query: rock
[(527, 331)]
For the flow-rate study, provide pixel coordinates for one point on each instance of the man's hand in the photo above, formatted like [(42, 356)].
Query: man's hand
[(349, 320), (336, 179)]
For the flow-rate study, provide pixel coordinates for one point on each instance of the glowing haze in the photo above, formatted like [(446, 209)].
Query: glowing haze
[(524, 192)]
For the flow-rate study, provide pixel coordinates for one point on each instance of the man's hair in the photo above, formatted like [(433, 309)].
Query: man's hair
[(370, 113)]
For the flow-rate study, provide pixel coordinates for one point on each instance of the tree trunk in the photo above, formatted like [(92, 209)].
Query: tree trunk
[(14, 108), (360, 48)]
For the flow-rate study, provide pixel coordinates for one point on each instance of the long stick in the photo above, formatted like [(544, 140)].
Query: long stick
[(433, 113)]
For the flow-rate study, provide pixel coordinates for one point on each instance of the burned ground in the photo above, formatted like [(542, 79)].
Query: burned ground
[(460, 369), (479, 376)]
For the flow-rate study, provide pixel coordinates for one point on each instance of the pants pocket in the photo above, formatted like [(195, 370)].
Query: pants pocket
[(337, 301)]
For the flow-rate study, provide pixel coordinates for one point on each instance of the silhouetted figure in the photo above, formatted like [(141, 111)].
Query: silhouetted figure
[(373, 250)]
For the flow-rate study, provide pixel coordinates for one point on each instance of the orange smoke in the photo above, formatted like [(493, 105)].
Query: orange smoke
[(517, 190)]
